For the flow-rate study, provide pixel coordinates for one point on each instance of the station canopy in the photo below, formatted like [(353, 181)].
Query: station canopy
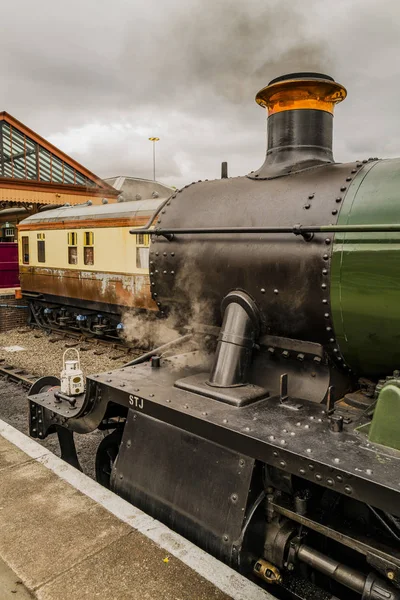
[(26, 157)]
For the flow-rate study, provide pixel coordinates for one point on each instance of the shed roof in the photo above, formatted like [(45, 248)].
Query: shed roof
[(85, 212)]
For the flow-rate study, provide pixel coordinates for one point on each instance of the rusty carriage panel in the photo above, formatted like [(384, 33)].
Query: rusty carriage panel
[(127, 290)]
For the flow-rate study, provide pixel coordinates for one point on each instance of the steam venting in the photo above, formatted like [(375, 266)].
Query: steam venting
[(300, 122)]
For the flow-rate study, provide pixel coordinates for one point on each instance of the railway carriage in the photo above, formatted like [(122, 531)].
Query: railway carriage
[(80, 268)]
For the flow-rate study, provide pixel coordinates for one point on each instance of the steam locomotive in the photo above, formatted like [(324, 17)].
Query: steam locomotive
[(268, 433)]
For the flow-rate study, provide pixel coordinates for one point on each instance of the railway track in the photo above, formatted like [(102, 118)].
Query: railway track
[(16, 374), (82, 338)]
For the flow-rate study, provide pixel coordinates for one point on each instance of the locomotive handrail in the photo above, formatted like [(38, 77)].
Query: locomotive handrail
[(306, 231)]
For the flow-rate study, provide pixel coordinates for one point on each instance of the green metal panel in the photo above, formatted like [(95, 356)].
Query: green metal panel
[(365, 279), (384, 427)]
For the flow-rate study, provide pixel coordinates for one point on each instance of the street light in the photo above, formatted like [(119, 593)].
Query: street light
[(154, 140)]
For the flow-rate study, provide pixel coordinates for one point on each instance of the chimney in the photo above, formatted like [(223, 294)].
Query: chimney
[(300, 120)]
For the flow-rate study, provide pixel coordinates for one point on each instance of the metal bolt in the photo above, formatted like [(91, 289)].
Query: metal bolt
[(324, 271), (323, 286), (325, 256), (285, 354), (307, 206), (324, 301), (234, 497), (225, 538), (327, 241), (318, 477), (390, 575), (262, 290), (302, 471), (348, 489), (343, 188), (348, 178), (330, 481), (300, 356), (334, 212), (271, 350), (326, 315), (311, 196), (317, 359), (276, 291)]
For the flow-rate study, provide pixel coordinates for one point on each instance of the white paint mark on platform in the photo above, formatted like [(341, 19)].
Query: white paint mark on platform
[(13, 348)]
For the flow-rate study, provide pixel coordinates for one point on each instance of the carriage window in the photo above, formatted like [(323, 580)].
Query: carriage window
[(72, 248), (88, 249), (41, 250), (142, 250), (25, 250), (72, 255)]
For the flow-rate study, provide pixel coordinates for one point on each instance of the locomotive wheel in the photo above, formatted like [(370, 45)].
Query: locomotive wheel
[(106, 455)]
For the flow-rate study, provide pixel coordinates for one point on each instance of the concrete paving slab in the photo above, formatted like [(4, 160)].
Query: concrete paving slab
[(11, 586), (132, 568), (47, 526), (67, 537)]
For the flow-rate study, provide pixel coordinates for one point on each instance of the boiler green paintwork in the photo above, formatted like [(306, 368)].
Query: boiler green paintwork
[(365, 273)]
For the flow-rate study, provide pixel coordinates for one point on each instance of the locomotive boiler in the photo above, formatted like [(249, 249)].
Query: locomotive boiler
[(268, 431)]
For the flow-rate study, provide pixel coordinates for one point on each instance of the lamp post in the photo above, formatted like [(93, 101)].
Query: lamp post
[(154, 140)]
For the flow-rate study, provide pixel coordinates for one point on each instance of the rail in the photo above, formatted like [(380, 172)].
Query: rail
[(18, 375)]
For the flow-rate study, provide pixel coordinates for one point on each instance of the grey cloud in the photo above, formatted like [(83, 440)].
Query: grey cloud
[(189, 71)]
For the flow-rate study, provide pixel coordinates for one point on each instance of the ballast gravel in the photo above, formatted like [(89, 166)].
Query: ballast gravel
[(42, 356)]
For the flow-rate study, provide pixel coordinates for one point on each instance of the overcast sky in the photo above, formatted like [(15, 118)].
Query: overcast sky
[(98, 77)]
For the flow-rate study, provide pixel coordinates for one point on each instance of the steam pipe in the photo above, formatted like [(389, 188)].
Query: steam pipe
[(332, 568), (370, 586), (235, 342), (159, 350)]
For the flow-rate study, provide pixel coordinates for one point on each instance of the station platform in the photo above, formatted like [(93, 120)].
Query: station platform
[(64, 537)]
